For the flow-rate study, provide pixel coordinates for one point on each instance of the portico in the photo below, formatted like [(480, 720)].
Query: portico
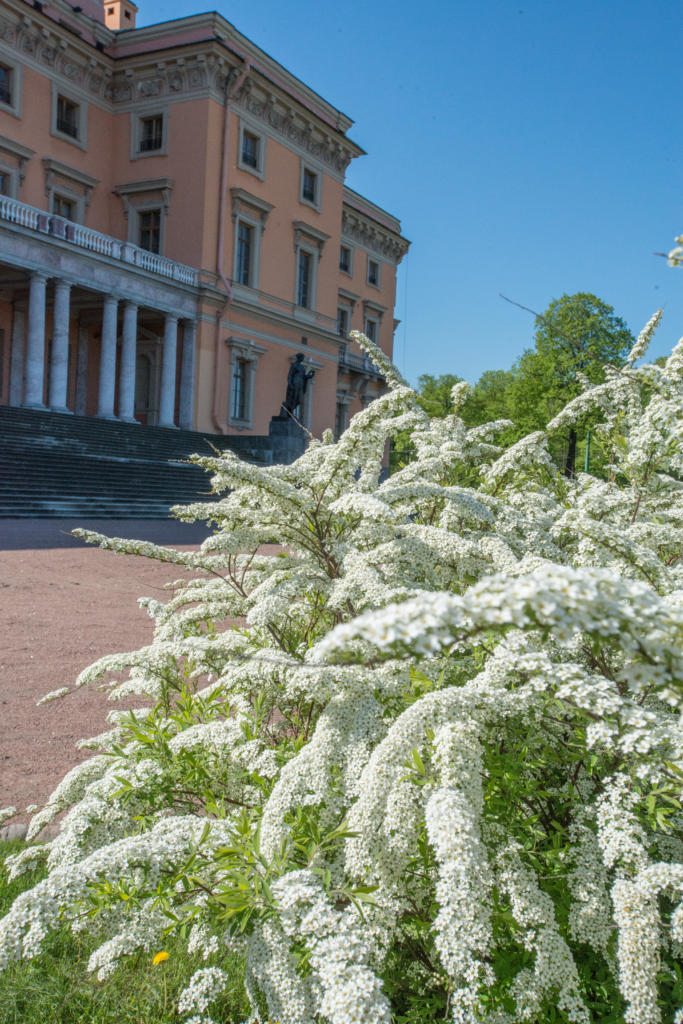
[(77, 319)]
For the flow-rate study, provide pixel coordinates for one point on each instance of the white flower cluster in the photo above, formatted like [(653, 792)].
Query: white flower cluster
[(438, 726)]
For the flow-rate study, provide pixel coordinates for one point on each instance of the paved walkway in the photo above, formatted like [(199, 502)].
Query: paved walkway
[(62, 605)]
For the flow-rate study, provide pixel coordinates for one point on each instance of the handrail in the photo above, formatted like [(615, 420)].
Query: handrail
[(26, 216)]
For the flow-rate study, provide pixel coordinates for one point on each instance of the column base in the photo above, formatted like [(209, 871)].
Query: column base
[(34, 405), (168, 426), (128, 419), (61, 408), (106, 416)]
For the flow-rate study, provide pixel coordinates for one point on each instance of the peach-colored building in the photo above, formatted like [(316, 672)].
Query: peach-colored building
[(175, 227)]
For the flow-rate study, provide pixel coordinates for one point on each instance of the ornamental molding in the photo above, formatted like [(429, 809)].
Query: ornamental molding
[(370, 235), (244, 348), (204, 73), (22, 154), (54, 169), (55, 53), (281, 116), (136, 189), (244, 202), (304, 232)]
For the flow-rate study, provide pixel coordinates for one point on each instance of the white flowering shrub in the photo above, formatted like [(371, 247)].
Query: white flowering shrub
[(423, 760)]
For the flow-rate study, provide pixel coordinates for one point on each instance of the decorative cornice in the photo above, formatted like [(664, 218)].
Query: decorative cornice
[(56, 167), (126, 81), (304, 230), (246, 349), (136, 188), (368, 233), (56, 50), (22, 154), (245, 202), (281, 116)]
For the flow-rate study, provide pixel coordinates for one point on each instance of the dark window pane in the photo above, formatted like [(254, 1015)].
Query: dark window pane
[(239, 389), (345, 259), (373, 272), (67, 117), (5, 84), (150, 230), (342, 321), (245, 235), (304, 289), (63, 207), (151, 133), (308, 186), (250, 150)]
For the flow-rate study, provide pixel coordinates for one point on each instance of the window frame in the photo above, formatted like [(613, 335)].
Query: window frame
[(137, 119), (376, 323), (81, 139), (63, 196), (312, 254), (260, 170), (249, 353), (16, 82), (343, 311), (349, 249), (255, 254), (140, 212), (306, 167)]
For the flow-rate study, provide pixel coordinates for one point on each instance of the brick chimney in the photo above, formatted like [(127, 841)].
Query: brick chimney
[(119, 14)]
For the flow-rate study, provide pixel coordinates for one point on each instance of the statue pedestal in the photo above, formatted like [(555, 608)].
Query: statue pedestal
[(287, 438)]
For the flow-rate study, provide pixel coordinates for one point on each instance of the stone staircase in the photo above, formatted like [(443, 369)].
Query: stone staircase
[(60, 466)]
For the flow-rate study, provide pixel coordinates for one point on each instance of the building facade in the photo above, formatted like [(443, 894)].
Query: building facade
[(175, 226)]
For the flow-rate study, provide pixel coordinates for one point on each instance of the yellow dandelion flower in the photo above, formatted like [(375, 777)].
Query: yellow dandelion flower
[(159, 957)]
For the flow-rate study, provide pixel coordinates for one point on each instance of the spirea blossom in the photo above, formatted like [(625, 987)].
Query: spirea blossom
[(409, 744)]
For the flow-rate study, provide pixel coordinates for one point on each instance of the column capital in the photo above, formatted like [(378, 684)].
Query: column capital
[(39, 275)]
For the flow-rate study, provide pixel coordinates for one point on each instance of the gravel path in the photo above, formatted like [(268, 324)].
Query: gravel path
[(62, 605)]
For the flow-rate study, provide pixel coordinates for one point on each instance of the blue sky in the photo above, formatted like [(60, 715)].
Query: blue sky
[(530, 148)]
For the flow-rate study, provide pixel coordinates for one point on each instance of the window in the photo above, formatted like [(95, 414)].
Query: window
[(151, 133), (310, 186), (6, 84), (244, 262), (239, 409), (63, 207), (341, 417), (67, 117), (149, 230), (373, 272), (304, 290), (345, 258), (342, 321), (371, 329), (250, 149), (5, 183)]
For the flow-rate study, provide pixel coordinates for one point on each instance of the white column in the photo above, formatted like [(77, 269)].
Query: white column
[(82, 372), (59, 361), (127, 370), (186, 411), (16, 373), (168, 368), (107, 384), (35, 353)]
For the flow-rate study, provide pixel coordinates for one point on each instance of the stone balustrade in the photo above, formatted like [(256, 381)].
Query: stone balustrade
[(14, 212)]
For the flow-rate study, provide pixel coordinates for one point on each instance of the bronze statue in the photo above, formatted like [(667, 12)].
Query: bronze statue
[(297, 380)]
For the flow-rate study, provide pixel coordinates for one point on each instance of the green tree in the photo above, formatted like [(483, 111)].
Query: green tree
[(575, 337), (434, 393)]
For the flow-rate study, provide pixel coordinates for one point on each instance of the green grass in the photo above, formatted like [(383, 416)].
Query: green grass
[(56, 988)]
